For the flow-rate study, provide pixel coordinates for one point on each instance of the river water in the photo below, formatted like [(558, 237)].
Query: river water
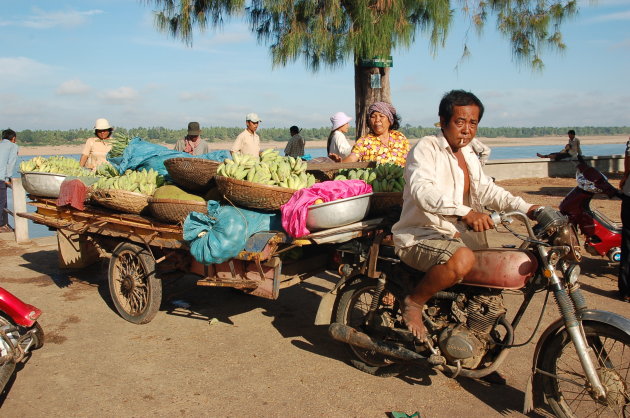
[(498, 153)]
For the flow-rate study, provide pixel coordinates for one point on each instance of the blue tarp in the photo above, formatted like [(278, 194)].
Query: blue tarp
[(222, 233), (141, 154)]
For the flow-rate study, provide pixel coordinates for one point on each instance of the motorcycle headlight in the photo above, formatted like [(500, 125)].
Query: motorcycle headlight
[(572, 273)]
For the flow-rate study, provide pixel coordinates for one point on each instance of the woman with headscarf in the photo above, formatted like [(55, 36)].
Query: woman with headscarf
[(383, 144)]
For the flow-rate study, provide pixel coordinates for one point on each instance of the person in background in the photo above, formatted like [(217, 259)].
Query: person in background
[(295, 146), (248, 141), (571, 149), (96, 149), (192, 143), (624, 265), (337, 143), (8, 159), (444, 197), (481, 150), (383, 144)]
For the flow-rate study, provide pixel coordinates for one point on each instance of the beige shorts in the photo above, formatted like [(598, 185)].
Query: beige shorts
[(429, 252)]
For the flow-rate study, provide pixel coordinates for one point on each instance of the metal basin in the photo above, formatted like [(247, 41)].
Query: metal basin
[(338, 212), (42, 184)]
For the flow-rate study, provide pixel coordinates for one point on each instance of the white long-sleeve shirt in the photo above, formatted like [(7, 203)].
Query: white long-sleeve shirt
[(434, 190)]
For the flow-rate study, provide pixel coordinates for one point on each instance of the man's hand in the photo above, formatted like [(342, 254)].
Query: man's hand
[(531, 210), (478, 221), (336, 158)]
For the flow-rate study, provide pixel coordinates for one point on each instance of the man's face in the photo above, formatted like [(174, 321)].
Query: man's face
[(252, 126), (462, 127), (571, 136)]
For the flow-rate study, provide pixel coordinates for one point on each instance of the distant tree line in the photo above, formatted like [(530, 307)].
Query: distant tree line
[(217, 134)]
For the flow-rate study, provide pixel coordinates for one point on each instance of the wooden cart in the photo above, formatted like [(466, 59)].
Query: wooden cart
[(144, 251)]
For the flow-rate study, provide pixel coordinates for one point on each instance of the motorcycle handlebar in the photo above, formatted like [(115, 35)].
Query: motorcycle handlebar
[(506, 217)]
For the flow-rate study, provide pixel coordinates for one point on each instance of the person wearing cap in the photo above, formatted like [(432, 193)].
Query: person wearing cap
[(295, 146), (192, 143), (383, 144), (96, 149), (337, 143), (248, 141)]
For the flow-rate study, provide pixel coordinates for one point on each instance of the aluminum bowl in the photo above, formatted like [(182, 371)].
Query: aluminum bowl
[(42, 184), (338, 212)]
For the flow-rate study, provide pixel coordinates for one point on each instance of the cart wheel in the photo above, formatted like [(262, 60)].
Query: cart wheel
[(135, 290)]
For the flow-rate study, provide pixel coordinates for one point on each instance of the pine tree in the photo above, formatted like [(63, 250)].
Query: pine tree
[(330, 32)]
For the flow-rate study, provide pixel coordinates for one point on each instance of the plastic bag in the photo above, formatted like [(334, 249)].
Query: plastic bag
[(222, 233)]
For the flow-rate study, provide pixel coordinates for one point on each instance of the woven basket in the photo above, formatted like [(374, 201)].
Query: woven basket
[(382, 201), (121, 200), (253, 195), (194, 174), (173, 210)]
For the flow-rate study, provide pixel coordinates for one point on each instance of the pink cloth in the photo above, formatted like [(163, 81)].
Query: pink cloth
[(73, 193), (295, 210)]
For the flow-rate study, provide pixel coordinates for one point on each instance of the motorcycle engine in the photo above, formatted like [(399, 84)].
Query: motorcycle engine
[(468, 342)]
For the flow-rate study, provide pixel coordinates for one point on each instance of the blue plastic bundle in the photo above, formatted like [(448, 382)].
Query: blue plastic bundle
[(141, 154), (222, 233)]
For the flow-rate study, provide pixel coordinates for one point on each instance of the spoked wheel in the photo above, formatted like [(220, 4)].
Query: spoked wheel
[(133, 286), (569, 395), (354, 306)]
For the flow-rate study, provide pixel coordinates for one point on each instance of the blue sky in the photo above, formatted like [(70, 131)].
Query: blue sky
[(65, 63)]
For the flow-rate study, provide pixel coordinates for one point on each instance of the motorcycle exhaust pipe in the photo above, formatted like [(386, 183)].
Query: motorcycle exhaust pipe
[(349, 335)]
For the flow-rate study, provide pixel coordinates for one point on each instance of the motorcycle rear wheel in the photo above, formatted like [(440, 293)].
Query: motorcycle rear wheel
[(611, 349), (354, 304), (133, 285)]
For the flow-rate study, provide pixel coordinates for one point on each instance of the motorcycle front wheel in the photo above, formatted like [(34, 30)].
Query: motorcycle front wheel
[(352, 310), (569, 395)]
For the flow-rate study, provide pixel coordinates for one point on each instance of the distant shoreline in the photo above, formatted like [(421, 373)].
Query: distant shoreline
[(225, 145)]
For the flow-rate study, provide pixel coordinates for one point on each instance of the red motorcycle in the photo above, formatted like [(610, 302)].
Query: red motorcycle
[(20, 333), (602, 237)]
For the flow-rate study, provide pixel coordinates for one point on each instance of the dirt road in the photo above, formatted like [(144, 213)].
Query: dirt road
[(258, 358)]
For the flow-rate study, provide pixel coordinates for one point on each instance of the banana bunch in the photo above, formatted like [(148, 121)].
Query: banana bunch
[(106, 170), (143, 181), (56, 164), (119, 142), (383, 178), (272, 169)]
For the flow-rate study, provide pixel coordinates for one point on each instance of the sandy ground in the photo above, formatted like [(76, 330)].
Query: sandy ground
[(492, 142), (262, 358)]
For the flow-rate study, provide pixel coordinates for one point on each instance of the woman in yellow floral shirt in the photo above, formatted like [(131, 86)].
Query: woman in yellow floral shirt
[(384, 144)]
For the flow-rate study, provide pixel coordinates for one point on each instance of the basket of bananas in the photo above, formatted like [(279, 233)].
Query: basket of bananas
[(194, 174), (387, 184), (265, 184), (128, 192)]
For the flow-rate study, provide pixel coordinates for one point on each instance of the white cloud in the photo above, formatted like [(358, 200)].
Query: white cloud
[(194, 96), (21, 68), (73, 87), (41, 19), (120, 95)]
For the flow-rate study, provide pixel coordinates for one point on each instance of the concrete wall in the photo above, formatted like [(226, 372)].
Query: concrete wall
[(544, 167)]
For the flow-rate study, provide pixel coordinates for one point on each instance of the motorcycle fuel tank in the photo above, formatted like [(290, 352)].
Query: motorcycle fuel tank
[(502, 268)]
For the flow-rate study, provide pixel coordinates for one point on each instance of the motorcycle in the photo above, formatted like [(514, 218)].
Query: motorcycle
[(20, 333), (581, 360), (602, 237)]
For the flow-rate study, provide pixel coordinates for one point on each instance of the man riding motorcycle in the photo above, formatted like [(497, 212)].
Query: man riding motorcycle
[(444, 196)]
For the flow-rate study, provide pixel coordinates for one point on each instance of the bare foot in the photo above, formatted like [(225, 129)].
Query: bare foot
[(541, 156), (412, 315)]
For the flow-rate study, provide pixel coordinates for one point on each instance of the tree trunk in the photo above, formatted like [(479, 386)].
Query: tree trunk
[(365, 95)]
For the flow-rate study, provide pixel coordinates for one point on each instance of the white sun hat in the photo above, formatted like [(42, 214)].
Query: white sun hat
[(102, 124), (339, 119)]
